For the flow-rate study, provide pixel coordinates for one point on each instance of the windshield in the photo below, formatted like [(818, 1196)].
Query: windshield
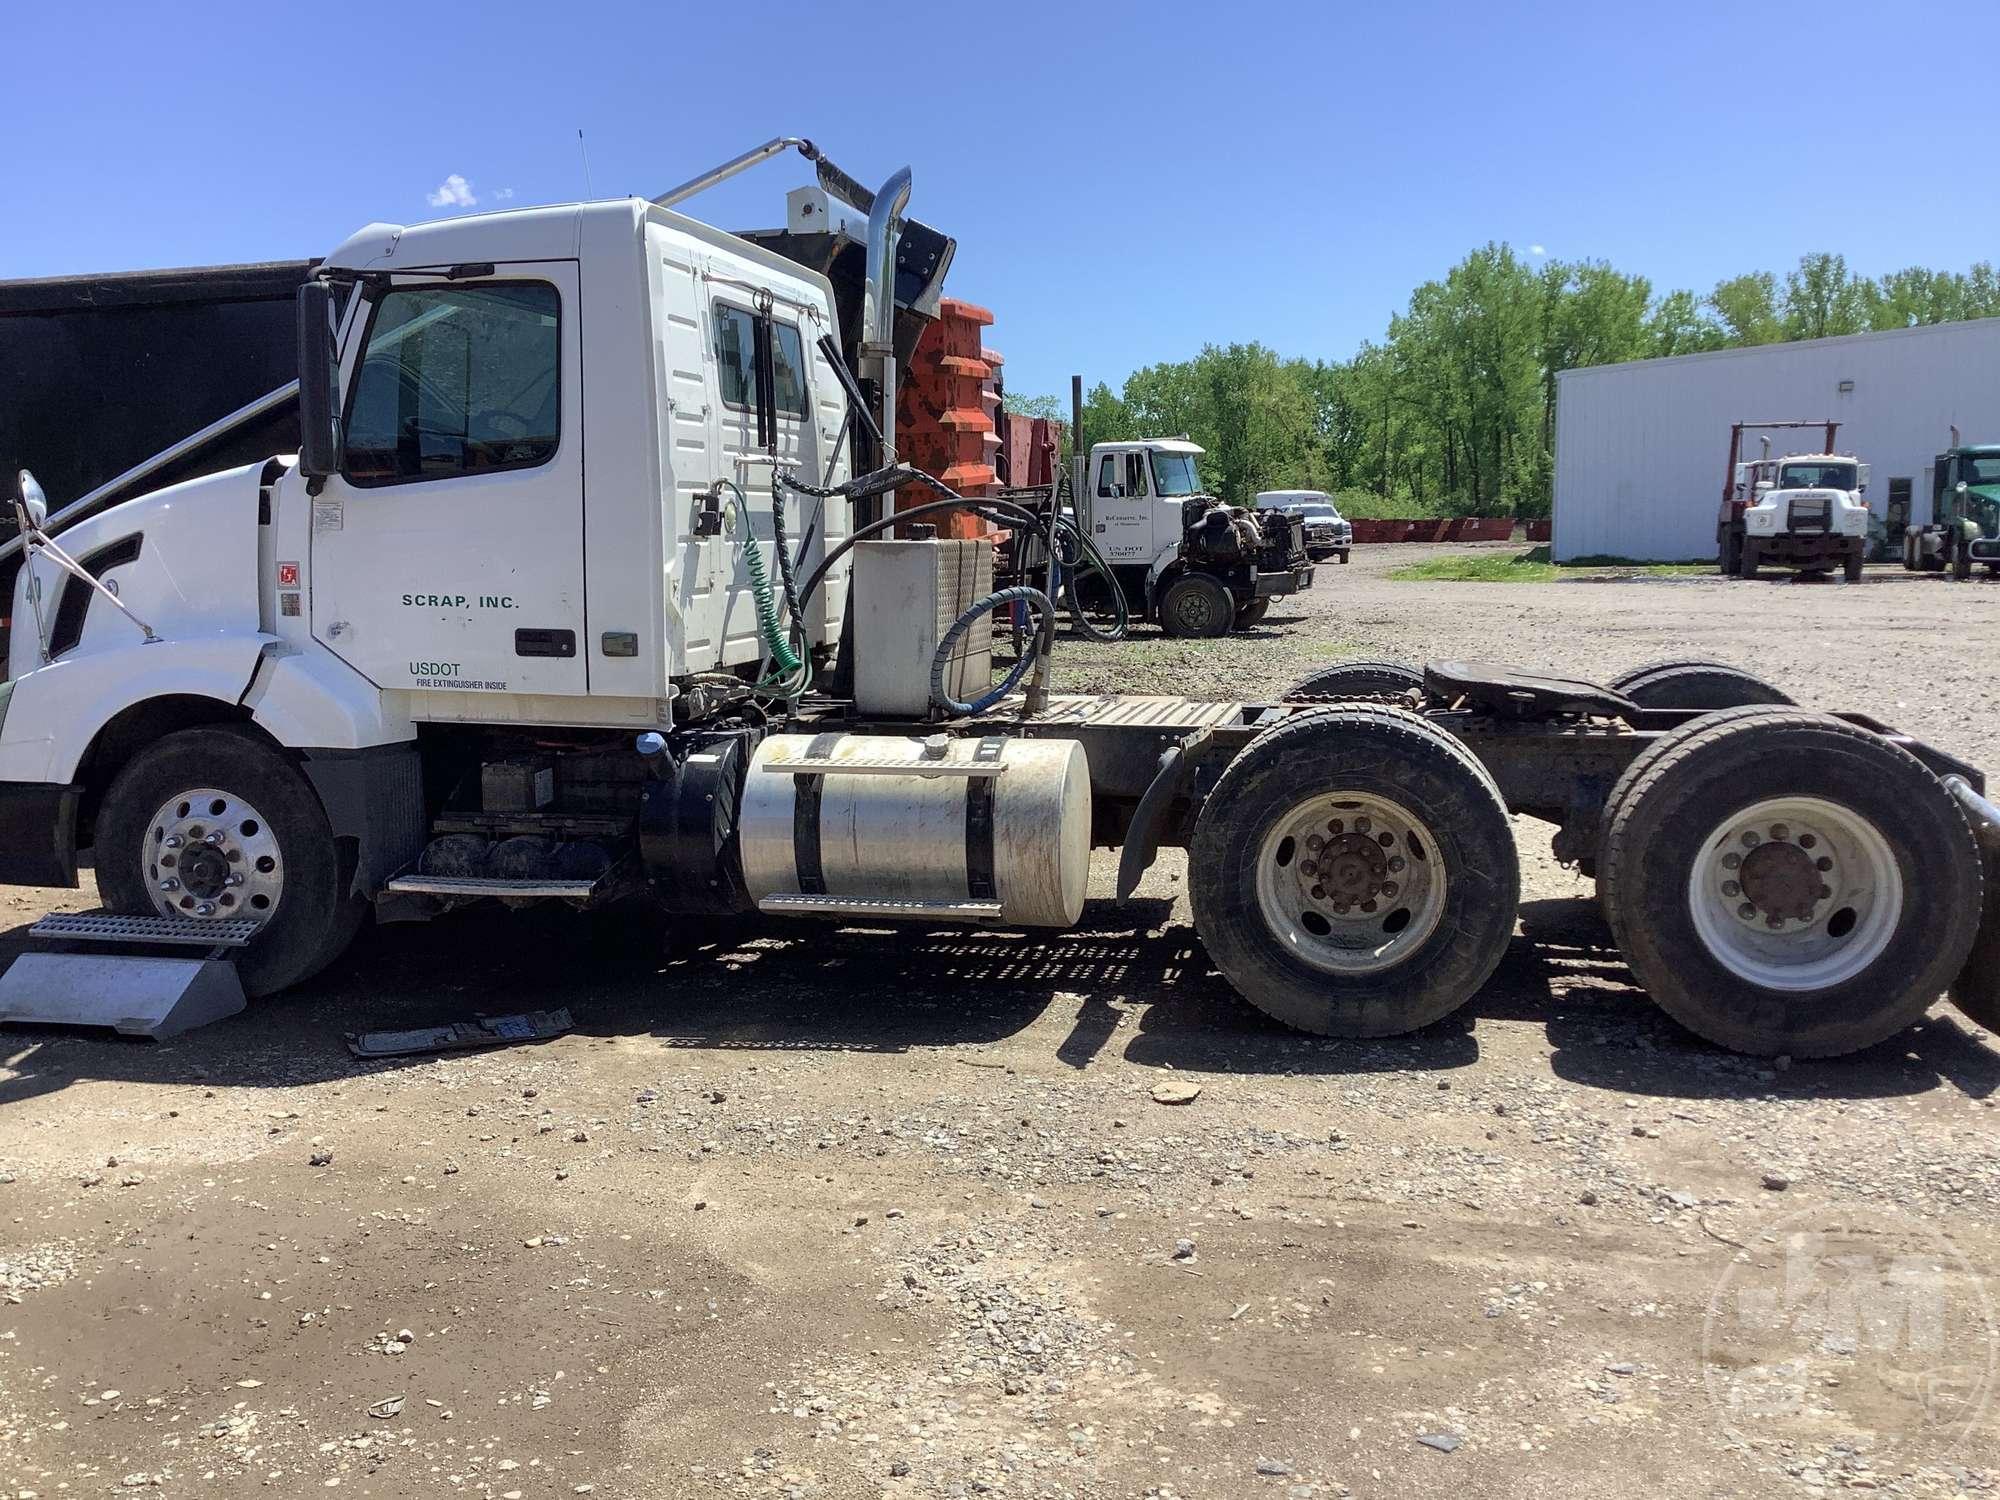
[(1173, 474), (1827, 476), (1314, 511), (1981, 468)]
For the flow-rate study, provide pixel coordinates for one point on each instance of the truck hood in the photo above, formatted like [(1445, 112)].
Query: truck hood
[(195, 569)]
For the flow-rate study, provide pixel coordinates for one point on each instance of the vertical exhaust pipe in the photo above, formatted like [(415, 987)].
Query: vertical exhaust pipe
[(878, 300)]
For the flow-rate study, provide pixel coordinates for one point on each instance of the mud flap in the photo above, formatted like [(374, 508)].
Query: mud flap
[(1976, 991), (1142, 839)]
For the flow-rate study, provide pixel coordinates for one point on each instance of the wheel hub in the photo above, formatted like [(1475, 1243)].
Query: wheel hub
[(209, 855), (1336, 883), (1779, 880), (1796, 893)]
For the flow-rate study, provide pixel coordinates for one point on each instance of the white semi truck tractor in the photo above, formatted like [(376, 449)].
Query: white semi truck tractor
[(573, 594)]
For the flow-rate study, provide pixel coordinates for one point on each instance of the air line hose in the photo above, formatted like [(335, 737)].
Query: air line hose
[(788, 664), (1034, 599)]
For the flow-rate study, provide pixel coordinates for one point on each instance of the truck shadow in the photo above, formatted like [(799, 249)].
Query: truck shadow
[(1134, 982)]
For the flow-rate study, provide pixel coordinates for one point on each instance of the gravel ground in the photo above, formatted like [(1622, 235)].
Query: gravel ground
[(799, 1212)]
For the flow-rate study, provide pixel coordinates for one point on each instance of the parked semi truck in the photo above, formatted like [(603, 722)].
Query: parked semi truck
[(538, 616), (1805, 511), (1964, 529)]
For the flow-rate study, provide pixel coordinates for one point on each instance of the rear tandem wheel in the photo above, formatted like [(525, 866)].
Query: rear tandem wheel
[(1353, 873), (1786, 882)]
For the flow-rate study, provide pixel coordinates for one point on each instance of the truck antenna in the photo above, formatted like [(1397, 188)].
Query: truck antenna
[(584, 152)]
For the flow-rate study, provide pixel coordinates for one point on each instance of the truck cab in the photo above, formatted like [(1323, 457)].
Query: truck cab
[(1807, 512), (1965, 514), (1183, 558)]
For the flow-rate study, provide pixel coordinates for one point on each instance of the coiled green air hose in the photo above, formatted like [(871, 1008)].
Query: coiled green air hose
[(787, 664)]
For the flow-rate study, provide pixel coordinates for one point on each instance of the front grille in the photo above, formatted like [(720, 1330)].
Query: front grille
[(1809, 514)]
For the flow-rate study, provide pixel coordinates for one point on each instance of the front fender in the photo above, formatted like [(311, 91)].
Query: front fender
[(55, 712)]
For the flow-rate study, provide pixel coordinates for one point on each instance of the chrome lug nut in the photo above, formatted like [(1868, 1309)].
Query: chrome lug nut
[(1750, 838), (206, 909), (1731, 888), (1732, 861), (214, 838), (170, 884), (1396, 864), (1362, 825), (1807, 841), (1746, 911), (235, 878), (1389, 887), (172, 841)]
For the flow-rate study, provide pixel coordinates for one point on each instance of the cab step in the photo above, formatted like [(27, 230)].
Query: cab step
[(133, 993)]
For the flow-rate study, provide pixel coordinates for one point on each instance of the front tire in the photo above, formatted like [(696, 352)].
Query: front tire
[(1783, 882), (213, 823), (1252, 613), (1851, 567), (1751, 559), (1354, 872), (1961, 560), (1196, 607)]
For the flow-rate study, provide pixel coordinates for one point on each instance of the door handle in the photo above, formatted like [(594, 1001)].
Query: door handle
[(545, 643)]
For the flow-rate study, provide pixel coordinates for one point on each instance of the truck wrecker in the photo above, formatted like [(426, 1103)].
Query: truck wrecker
[(577, 591)]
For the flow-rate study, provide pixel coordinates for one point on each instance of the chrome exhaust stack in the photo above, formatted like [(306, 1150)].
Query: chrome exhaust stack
[(878, 303)]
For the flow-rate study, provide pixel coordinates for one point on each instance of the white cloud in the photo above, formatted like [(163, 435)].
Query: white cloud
[(1537, 250), (504, 193), (453, 192)]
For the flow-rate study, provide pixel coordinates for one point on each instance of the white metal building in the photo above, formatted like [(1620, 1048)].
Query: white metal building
[(1641, 447)]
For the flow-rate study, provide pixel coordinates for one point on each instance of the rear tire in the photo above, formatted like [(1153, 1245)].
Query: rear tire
[(1695, 682), (1732, 555), (1359, 679), (1419, 887), (1196, 607), (1343, 557), (307, 919), (1857, 818)]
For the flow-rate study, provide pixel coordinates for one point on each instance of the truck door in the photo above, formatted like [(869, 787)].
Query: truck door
[(1121, 508), (447, 554)]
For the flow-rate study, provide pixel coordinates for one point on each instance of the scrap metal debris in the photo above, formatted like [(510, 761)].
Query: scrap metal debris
[(486, 1031)]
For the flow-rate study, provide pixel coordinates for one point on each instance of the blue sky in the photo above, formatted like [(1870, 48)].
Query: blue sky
[(1126, 182)]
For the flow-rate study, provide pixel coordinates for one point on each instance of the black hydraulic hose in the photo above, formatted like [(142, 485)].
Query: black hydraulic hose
[(785, 573), (1020, 594)]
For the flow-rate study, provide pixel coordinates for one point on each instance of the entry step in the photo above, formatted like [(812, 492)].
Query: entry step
[(110, 927), (474, 885), (850, 906)]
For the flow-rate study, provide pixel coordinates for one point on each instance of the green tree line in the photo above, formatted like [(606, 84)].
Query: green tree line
[(1453, 412)]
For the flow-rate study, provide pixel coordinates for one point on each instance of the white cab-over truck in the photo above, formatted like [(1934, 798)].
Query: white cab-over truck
[(566, 598)]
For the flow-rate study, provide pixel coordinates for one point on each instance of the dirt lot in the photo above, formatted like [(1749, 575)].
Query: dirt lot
[(824, 1213)]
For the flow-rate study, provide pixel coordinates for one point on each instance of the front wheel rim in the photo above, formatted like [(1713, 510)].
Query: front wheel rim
[(1350, 883), (1192, 610), (1796, 893), (209, 854)]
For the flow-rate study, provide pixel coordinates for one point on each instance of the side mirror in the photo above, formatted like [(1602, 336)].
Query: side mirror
[(319, 383), (29, 501), (1863, 485), (1961, 487)]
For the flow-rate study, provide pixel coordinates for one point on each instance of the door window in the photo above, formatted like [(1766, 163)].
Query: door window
[(1135, 474), (456, 380), (1107, 477)]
